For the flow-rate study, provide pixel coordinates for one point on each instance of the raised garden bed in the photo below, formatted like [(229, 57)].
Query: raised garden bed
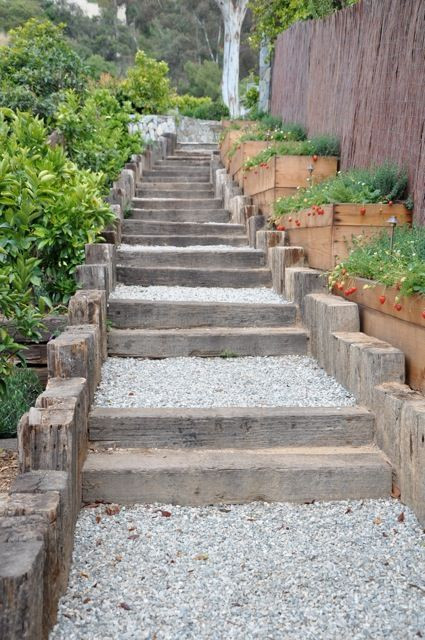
[(326, 232), (398, 320), (244, 152), (282, 175)]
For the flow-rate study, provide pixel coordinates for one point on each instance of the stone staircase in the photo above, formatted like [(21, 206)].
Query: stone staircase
[(201, 456)]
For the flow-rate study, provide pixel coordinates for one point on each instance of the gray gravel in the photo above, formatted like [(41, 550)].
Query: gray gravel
[(288, 381), (336, 571), (215, 248), (260, 295)]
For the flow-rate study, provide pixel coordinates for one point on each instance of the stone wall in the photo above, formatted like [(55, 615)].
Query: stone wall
[(190, 130)]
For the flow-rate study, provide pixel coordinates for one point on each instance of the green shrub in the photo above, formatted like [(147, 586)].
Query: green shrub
[(213, 111), (95, 128), (250, 99), (320, 146), (372, 258), (187, 104), (204, 79), (21, 390), (359, 186), (147, 86), (49, 209), (36, 67)]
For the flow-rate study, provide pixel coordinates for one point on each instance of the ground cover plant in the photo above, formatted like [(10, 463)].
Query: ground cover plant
[(22, 388), (318, 146), (372, 258), (269, 130), (386, 183)]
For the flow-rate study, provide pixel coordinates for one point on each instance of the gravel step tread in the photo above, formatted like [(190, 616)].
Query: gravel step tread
[(243, 428), (181, 215), (140, 314), (157, 227), (225, 295), (177, 203), (211, 476), (194, 276)]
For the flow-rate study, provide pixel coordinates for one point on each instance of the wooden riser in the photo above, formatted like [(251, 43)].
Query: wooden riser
[(195, 277), (184, 240), (201, 477), (173, 343), (140, 314), (141, 227), (241, 428)]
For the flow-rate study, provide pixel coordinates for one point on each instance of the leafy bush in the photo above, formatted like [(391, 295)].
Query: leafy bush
[(250, 99), (37, 67), (147, 86), (95, 129), (49, 209), (359, 186), (21, 390), (372, 259), (187, 104), (204, 79), (213, 111), (262, 131), (320, 146)]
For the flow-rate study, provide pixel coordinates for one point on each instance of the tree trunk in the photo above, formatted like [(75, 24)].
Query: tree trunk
[(233, 12)]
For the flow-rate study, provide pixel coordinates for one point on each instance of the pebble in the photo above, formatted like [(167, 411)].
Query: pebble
[(287, 381), (260, 295), (324, 571)]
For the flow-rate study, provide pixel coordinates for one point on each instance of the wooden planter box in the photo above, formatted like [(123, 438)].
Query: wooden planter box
[(36, 353), (232, 135), (404, 329), (326, 238), (244, 152), (281, 177)]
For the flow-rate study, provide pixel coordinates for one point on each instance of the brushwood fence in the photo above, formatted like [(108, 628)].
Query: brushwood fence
[(360, 74)]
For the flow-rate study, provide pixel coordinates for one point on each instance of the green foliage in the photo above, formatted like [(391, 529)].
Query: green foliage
[(20, 391), (147, 86), (320, 146), (37, 67), (250, 98), (187, 103), (203, 79), (359, 186), (271, 17), (213, 111), (95, 128), (371, 258), (49, 209), (13, 14), (261, 131)]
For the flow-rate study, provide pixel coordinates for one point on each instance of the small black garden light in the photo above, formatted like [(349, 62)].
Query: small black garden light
[(393, 222)]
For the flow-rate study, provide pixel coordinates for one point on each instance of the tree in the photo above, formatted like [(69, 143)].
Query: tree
[(233, 12)]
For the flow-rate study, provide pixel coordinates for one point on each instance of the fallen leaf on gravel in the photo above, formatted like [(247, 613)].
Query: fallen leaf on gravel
[(349, 510), (86, 600), (131, 528), (125, 606), (98, 519), (112, 509), (201, 556), (131, 393), (395, 493), (223, 510), (83, 574), (118, 558), (98, 542), (401, 517), (165, 514), (377, 520), (133, 537)]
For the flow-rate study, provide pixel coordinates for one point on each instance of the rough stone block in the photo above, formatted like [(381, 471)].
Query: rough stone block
[(76, 353), (389, 401), (412, 466), (301, 282), (371, 364), (340, 343), (48, 507), (88, 306), (102, 253), (280, 258), (21, 592), (237, 207), (255, 223), (48, 440), (220, 178), (267, 239), (94, 276)]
